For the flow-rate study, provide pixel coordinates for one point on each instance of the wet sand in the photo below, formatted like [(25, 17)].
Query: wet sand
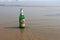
[(43, 29)]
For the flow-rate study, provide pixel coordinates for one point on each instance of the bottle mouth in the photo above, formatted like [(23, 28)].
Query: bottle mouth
[(21, 10)]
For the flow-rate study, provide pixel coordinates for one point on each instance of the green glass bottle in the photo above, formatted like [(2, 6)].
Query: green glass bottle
[(21, 19)]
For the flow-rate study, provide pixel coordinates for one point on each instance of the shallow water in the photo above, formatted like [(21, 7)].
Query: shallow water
[(42, 23)]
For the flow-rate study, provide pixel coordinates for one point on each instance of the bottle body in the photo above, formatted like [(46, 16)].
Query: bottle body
[(21, 20)]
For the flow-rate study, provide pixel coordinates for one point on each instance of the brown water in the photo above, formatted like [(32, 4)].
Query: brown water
[(42, 23)]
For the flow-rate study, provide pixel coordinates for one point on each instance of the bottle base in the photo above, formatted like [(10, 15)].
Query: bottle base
[(22, 27)]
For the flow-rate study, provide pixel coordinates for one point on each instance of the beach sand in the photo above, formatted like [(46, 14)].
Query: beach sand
[(43, 29)]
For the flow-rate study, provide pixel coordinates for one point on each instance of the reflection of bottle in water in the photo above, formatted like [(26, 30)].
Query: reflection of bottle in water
[(21, 19), (22, 34)]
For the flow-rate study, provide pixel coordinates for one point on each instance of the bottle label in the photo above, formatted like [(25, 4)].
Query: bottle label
[(23, 23)]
